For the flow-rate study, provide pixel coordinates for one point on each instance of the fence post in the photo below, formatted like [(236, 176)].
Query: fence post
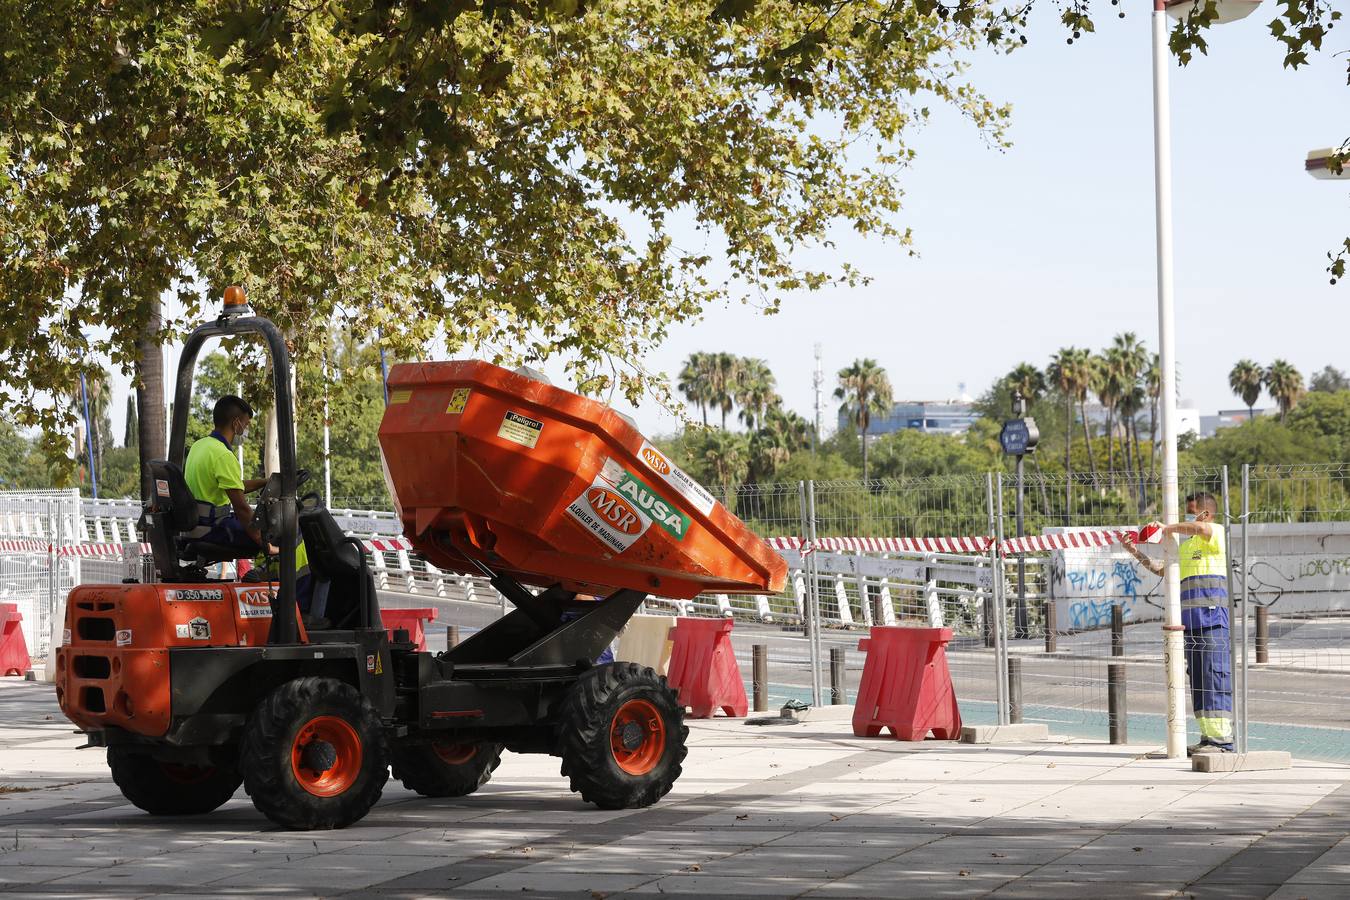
[(1262, 634), (1115, 700), (451, 637), (759, 675), (1241, 735), (995, 503), (1014, 690), (1051, 636), (812, 621), (1117, 630), (838, 686)]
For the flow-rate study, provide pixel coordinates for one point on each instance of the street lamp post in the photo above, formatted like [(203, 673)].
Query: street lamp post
[(1174, 664)]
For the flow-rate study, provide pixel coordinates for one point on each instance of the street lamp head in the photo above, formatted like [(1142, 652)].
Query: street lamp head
[(1226, 10), (1319, 164)]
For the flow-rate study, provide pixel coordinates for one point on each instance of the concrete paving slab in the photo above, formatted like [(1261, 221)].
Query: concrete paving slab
[(1021, 733), (809, 810), (1251, 761)]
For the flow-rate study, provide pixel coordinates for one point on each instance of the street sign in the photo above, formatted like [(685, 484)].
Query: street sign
[(1019, 436)]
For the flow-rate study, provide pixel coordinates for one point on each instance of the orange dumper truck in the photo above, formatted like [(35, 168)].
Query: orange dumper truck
[(195, 686)]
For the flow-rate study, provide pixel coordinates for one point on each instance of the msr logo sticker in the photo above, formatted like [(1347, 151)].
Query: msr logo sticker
[(255, 603), (677, 478), (123, 637), (609, 516)]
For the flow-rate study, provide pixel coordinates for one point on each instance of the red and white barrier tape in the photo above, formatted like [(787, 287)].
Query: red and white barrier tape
[(971, 544), (1071, 540), (22, 545), (391, 545)]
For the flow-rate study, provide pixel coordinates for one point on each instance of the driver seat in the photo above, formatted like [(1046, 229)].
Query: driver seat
[(171, 524), (341, 580)]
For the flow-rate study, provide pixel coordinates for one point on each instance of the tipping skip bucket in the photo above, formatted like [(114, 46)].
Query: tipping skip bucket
[(551, 487)]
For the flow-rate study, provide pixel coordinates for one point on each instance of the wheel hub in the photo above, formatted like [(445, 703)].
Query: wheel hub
[(318, 756), (631, 736)]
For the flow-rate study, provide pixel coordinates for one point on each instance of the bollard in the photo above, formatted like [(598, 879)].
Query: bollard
[(1263, 634), (1115, 702), (1117, 630), (451, 636), (759, 675), (838, 687), (1014, 690), (1051, 639)]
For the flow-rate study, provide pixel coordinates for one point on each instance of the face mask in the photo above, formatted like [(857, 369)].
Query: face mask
[(238, 440), (1190, 517)]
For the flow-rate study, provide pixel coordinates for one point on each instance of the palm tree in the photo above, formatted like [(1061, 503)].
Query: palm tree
[(726, 457), (1106, 385), (1065, 374), (693, 382), (722, 372), (754, 391), (1028, 381), (1285, 384), (1246, 380), (1130, 359), (1153, 387), (782, 433), (865, 390)]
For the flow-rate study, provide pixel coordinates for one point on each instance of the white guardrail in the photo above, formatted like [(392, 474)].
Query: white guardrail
[(855, 588)]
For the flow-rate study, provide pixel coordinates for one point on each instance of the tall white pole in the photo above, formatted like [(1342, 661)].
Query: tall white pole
[(327, 457), (1162, 159)]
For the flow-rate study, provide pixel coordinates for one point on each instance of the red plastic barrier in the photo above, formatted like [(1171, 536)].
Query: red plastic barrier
[(906, 685), (14, 659), (411, 619), (703, 668)]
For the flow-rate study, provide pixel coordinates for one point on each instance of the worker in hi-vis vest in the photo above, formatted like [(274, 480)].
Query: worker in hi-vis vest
[(1204, 615)]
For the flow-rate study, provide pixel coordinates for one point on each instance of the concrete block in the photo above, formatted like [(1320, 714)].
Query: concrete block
[(830, 712), (1251, 761), (1004, 734)]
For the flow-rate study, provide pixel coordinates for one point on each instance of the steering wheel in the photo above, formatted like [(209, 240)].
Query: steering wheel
[(267, 512)]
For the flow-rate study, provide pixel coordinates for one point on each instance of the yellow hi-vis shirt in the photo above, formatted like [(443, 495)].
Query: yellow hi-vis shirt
[(211, 470), (1204, 579)]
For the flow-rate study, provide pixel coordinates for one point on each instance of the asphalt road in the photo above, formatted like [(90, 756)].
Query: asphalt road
[(1073, 679)]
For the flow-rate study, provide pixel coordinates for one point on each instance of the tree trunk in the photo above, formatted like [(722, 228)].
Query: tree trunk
[(1087, 437), (149, 397), (1111, 439), (1068, 457), (863, 435), (704, 408)]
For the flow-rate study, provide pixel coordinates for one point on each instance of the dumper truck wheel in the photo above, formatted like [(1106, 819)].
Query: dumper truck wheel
[(621, 736), (445, 769), (314, 755), (169, 789)]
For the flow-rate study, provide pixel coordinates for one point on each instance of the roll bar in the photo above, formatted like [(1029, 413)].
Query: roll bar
[(284, 629)]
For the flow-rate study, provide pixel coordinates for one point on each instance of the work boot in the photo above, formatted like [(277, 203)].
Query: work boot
[(1196, 748), (1212, 748)]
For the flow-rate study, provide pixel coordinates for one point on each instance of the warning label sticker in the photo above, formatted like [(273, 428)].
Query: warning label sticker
[(520, 429), (609, 516), (677, 478), (402, 396), (458, 399)]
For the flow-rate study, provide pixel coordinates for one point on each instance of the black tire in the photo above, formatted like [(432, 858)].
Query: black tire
[(168, 789), (314, 755), (436, 771), (588, 734)]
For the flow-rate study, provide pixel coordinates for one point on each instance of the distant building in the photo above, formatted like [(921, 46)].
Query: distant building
[(1227, 418), (929, 416)]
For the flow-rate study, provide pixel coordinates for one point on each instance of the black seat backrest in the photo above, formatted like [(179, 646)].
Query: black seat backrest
[(172, 512), (171, 497), (334, 560)]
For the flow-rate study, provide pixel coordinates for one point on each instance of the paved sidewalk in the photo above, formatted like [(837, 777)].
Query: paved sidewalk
[(793, 811)]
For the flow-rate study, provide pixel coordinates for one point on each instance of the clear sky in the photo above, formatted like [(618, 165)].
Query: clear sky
[(1051, 243)]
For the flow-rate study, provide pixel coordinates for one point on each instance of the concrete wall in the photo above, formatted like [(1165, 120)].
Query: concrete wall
[(1297, 568)]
